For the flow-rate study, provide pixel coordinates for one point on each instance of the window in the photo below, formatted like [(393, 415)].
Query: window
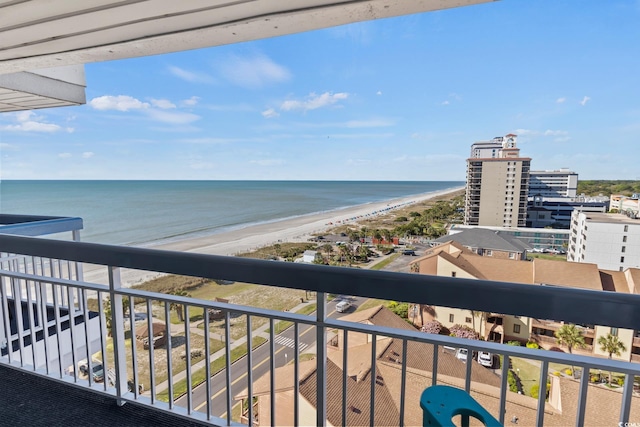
[(467, 319), (451, 319), (488, 252), (621, 259), (624, 239), (516, 329), (626, 228), (453, 274), (512, 255), (614, 332), (624, 248)]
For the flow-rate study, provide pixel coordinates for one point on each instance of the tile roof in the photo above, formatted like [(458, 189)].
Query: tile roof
[(569, 274), (486, 239)]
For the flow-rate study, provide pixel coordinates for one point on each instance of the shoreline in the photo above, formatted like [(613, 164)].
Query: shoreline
[(295, 229)]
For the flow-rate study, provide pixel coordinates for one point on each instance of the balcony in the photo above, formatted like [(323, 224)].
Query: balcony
[(43, 275)]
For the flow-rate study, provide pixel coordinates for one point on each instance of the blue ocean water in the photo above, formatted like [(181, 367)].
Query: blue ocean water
[(146, 212)]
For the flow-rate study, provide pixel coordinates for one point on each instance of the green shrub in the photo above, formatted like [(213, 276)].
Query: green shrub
[(535, 390), (511, 380), (532, 344), (514, 343), (568, 371), (399, 308)]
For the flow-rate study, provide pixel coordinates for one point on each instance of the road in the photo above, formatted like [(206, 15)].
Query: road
[(284, 348)]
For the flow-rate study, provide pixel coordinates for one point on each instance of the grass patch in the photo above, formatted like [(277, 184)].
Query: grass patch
[(528, 372), (382, 264), (200, 376), (370, 303), (282, 325)]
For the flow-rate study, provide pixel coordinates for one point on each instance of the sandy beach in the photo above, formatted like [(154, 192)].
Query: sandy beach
[(298, 229)]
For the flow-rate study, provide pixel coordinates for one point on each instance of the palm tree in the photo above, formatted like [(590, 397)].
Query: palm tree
[(570, 336), (611, 345)]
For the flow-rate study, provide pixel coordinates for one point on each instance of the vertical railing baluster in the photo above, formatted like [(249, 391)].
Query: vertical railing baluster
[(150, 349), (321, 360), (272, 368), (87, 341), (227, 354), (207, 357), (32, 322), (345, 346), (134, 349), (249, 372), (467, 376), (582, 397), (44, 319), (296, 375), (17, 300), (103, 331), (434, 373), (627, 394), (542, 397), (374, 379), (403, 381), (5, 314), (506, 363), (72, 331), (167, 326), (56, 315), (187, 335), (119, 346)]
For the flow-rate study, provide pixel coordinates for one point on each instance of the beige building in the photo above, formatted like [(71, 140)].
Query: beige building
[(454, 260), (560, 410), (497, 184)]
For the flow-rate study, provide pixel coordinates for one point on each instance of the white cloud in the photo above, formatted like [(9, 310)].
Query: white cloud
[(88, 154), (7, 146), (27, 121), (445, 103), (191, 101), (379, 92), (314, 101), (190, 76), (270, 113), (549, 132), (523, 132), (584, 101), (172, 117), (560, 100), (253, 72), (64, 155), (268, 162), (119, 103), (165, 104)]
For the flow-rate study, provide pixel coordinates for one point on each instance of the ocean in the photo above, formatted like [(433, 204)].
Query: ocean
[(143, 213)]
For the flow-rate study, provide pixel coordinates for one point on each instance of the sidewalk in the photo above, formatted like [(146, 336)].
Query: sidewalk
[(261, 331)]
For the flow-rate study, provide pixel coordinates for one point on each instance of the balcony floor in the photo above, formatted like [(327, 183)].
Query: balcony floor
[(29, 400)]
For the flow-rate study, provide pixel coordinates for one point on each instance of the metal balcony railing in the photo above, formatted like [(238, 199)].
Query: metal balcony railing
[(42, 275)]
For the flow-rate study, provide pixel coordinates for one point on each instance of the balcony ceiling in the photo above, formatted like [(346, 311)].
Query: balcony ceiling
[(37, 34)]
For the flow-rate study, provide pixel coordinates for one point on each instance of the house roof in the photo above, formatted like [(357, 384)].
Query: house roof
[(487, 239), (142, 331), (569, 274)]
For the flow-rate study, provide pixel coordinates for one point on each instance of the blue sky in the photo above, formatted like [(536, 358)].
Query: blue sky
[(393, 99)]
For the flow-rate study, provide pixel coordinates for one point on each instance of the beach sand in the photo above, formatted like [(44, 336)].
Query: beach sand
[(298, 229)]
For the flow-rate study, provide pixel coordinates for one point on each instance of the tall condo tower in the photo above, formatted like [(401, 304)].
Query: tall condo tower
[(497, 184)]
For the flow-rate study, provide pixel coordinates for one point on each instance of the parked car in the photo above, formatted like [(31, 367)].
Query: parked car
[(409, 252), (343, 306), (461, 354), (97, 370), (485, 359)]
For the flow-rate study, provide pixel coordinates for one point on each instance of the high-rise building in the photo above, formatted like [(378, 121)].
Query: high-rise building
[(553, 183), (497, 184)]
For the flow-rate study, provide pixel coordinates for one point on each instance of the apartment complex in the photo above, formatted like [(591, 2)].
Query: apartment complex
[(454, 260), (612, 241), (489, 243), (497, 184), (629, 206), (541, 238), (553, 183)]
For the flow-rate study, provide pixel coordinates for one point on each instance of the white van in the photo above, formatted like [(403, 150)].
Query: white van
[(343, 306), (485, 359)]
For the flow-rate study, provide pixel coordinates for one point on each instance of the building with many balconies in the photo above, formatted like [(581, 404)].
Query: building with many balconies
[(497, 184)]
